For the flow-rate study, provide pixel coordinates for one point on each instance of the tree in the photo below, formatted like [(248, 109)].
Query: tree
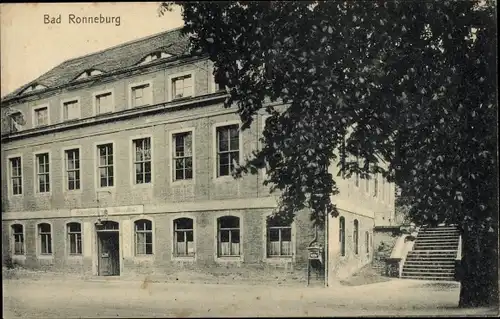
[(411, 84)]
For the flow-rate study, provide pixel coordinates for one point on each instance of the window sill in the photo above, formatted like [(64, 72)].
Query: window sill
[(224, 179), (75, 256), (184, 258), (16, 196), (45, 194), (182, 98), (143, 185), (18, 257), (73, 192), (144, 257), (45, 256), (105, 189), (228, 259), (279, 259), (182, 182)]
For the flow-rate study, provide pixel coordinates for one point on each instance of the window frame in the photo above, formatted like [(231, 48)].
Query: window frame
[(65, 168), (35, 118), (13, 128), (150, 94), (133, 175), (39, 240), (170, 85), (172, 158), (266, 240), (63, 107), (223, 258), (367, 242), (96, 94), (175, 231), (342, 233), (69, 236), (145, 232), (97, 165), (215, 148), (13, 235), (36, 184), (10, 186), (355, 236)]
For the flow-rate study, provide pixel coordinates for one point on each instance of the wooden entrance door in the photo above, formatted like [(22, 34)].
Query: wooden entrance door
[(109, 253)]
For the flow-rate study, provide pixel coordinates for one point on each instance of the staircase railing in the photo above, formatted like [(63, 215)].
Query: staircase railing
[(458, 260)]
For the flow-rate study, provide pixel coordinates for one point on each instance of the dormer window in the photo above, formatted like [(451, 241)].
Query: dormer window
[(34, 87), (155, 56), (89, 73), (16, 122)]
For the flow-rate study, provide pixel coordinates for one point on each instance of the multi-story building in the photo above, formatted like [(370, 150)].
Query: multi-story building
[(119, 163)]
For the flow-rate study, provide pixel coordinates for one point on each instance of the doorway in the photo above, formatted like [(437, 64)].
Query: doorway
[(108, 250)]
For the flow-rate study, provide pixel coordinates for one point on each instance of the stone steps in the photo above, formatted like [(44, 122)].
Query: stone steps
[(433, 255)]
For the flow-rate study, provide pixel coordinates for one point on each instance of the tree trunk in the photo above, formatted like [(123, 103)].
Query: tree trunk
[(479, 284)]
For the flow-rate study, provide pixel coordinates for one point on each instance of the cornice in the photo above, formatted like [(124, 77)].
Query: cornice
[(104, 78), (118, 116)]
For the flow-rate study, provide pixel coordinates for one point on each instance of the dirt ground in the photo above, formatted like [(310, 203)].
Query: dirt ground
[(77, 298)]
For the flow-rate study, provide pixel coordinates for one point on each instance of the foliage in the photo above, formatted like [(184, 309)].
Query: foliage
[(407, 83)]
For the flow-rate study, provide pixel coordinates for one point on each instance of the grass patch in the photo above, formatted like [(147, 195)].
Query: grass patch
[(365, 276)]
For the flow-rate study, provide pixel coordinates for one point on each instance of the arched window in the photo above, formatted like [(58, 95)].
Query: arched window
[(143, 237), (367, 242), (74, 231), (342, 235), (356, 236), (184, 237), (18, 239), (279, 239), (45, 238), (228, 236)]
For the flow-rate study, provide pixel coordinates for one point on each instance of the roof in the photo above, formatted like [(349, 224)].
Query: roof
[(112, 59)]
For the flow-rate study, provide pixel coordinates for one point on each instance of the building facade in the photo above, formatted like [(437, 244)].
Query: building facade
[(119, 163)]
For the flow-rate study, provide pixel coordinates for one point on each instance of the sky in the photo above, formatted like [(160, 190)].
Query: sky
[(29, 47)]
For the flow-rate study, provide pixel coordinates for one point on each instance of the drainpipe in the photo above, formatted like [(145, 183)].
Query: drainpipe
[(326, 249)]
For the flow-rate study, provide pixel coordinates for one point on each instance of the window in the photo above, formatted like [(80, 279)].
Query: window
[(45, 239), (72, 159), (220, 83), (367, 242), (16, 120), (106, 176), (356, 180), (18, 239), (143, 237), (41, 116), (104, 103), (155, 56), (183, 237), (42, 172), (75, 238), (382, 189), (182, 87), (88, 73), (183, 155), (71, 110), (34, 87), (356, 236), (142, 160), (228, 149), (228, 236), (375, 185), (342, 235), (279, 239), (141, 95), (16, 178)]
